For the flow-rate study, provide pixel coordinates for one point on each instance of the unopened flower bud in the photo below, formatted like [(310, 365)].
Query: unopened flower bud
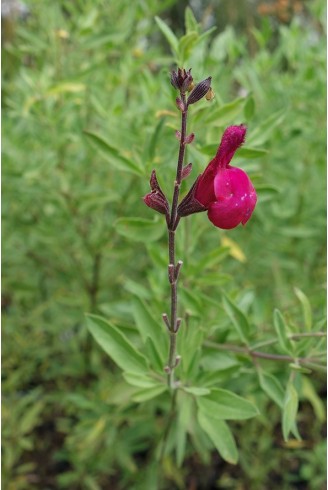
[(178, 135), (199, 91), (177, 361), (181, 79), (186, 171), (177, 268), (166, 320), (189, 139), (156, 199), (177, 325)]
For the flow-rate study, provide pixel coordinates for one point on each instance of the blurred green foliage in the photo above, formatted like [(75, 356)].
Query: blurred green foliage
[(88, 112)]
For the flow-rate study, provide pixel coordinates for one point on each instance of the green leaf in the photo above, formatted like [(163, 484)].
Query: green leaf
[(281, 329), (238, 319), (112, 154), (289, 410), (186, 44), (149, 393), (300, 369), (263, 131), (154, 139), (225, 405), (66, 87), (272, 387), (307, 310), (169, 35), (310, 394), (146, 323), (221, 436), (251, 153), (226, 113), (140, 229), (155, 352), (140, 380), (116, 345), (209, 261), (184, 417), (191, 23), (197, 391), (249, 108)]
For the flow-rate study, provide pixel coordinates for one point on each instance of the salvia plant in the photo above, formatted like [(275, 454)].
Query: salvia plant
[(226, 193), (164, 365)]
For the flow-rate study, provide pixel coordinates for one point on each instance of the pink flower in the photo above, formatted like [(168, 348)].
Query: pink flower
[(226, 192)]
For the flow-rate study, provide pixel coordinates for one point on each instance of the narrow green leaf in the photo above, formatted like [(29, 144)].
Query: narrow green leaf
[(272, 387), (221, 436), (186, 45), (310, 394), (225, 113), (140, 229), (155, 354), (112, 154), (149, 393), (282, 332), (251, 153), (169, 35), (147, 325), (209, 260), (307, 310), (116, 345), (140, 380), (289, 410), (197, 391), (225, 405), (189, 343), (238, 319), (249, 108), (263, 131), (267, 189), (154, 139), (191, 23), (185, 406)]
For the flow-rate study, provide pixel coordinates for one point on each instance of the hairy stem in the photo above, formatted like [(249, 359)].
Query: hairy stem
[(173, 267)]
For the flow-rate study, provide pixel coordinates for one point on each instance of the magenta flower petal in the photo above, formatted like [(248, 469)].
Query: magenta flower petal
[(227, 192), (235, 198), (205, 188), (232, 139)]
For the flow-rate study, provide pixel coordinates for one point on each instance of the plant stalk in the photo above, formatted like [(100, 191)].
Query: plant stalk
[(174, 221)]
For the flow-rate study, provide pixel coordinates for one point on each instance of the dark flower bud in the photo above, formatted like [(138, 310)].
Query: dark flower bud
[(186, 171), (199, 91), (189, 204), (156, 199), (189, 139), (181, 79), (178, 135)]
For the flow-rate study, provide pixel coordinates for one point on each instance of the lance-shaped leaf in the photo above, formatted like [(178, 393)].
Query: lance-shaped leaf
[(116, 345)]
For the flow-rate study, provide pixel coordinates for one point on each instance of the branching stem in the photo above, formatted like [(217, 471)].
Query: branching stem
[(311, 362)]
